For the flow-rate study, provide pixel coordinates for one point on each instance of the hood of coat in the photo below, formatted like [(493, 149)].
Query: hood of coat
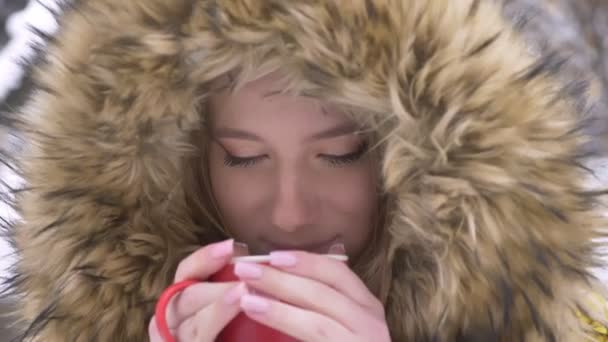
[(491, 231)]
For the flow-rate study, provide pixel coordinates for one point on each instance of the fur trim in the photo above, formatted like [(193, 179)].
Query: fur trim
[(492, 232)]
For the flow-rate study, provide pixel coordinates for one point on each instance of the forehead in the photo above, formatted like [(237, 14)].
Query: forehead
[(263, 102)]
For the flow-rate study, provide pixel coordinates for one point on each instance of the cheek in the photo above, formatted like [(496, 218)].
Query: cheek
[(353, 196), (235, 192), (353, 206)]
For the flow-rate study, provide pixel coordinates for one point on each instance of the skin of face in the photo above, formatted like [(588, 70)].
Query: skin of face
[(289, 173)]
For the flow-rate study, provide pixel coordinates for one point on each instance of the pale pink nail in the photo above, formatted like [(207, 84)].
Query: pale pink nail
[(254, 304), (222, 249), (337, 248), (235, 293), (283, 259), (240, 249), (247, 270)]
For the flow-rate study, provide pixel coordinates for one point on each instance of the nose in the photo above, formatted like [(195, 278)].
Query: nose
[(294, 202)]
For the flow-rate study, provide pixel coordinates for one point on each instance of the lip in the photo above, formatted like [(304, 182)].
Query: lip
[(315, 247)]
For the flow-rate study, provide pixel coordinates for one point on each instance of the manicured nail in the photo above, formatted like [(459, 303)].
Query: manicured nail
[(337, 248), (282, 259), (240, 249), (222, 249), (254, 304), (235, 294), (247, 270)]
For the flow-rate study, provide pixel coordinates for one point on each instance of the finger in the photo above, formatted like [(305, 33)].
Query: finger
[(154, 333), (193, 299), (302, 292), (207, 323), (205, 261), (332, 272), (304, 325)]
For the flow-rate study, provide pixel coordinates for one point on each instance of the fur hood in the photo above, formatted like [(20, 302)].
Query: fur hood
[(492, 231)]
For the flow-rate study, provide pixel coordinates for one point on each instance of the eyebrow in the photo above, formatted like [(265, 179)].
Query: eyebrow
[(233, 133), (336, 131), (332, 132)]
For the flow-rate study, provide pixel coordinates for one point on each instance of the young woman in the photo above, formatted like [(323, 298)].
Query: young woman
[(417, 137)]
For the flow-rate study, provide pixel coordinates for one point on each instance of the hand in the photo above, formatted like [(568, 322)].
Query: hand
[(202, 310), (315, 298)]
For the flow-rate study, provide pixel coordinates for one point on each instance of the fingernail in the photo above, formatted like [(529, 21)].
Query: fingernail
[(337, 248), (222, 249), (254, 304), (247, 270), (282, 259), (234, 294), (240, 249)]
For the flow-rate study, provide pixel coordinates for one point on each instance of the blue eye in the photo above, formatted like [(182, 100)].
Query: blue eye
[(234, 161), (349, 158)]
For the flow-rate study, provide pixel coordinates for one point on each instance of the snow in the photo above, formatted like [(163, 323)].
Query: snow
[(36, 14), (600, 167), (8, 214)]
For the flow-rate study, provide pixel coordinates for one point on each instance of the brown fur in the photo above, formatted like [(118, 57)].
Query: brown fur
[(490, 230)]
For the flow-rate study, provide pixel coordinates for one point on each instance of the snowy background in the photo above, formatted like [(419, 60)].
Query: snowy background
[(20, 35)]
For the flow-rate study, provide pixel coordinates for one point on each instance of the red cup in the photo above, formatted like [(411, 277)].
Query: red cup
[(241, 328)]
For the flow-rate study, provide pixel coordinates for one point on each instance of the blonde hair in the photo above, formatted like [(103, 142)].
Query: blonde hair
[(371, 265)]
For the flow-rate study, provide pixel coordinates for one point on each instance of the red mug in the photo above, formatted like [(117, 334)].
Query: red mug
[(241, 328)]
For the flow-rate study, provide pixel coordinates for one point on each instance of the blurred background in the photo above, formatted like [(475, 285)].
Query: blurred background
[(578, 29)]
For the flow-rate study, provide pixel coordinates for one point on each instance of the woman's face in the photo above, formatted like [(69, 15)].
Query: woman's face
[(288, 174)]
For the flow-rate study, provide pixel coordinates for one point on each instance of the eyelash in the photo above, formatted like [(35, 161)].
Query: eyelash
[(348, 158), (335, 161), (234, 161)]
